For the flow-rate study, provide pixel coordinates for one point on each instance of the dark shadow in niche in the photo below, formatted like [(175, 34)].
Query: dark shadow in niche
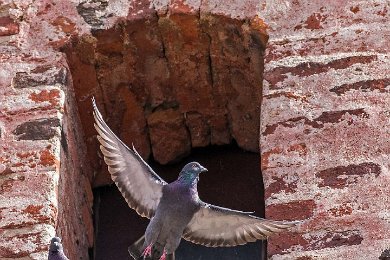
[(233, 180)]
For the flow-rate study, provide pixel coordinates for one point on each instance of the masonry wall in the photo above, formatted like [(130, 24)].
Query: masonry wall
[(160, 67), (44, 178), (325, 127), (324, 133)]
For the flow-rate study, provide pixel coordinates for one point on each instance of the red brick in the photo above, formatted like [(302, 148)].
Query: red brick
[(295, 210), (198, 128), (8, 26), (51, 96), (335, 177), (66, 24), (47, 158), (312, 241), (354, 9), (40, 129), (326, 85), (168, 135), (265, 157), (41, 75), (281, 243), (305, 69), (325, 117), (340, 211), (304, 258), (288, 95), (314, 21), (363, 86), (279, 185)]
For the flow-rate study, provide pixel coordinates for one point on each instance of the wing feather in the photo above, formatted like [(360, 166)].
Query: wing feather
[(139, 184), (221, 227)]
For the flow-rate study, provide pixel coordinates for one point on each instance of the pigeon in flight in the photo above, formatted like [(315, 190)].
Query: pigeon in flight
[(56, 252), (175, 210)]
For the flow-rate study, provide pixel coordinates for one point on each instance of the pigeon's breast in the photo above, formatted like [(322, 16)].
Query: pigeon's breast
[(179, 203)]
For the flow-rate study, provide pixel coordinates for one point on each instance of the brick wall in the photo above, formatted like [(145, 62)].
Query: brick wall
[(325, 127), (324, 120), (56, 55), (44, 177)]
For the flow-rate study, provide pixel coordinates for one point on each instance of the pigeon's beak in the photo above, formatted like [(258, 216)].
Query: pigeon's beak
[(203, 169)]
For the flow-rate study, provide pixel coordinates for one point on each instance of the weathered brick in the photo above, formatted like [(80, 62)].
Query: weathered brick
[(381, 85), (325, 117), (313, 241), (52, 96), (309, 31), (40, 76), (198, 128), (168, 135), (341, 211), (65, 24), (304, 258), (90, 13), (342, 176), (18, 243), (295, 210), (40, 129), (8, 26), (281, 243), (305, 69), (279, 185)]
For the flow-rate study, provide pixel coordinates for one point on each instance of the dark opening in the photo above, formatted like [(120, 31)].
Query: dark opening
[(154, 75), (233, 180)]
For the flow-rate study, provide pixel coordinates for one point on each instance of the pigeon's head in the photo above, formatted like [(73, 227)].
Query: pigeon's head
[(190, 172), (55, 244)]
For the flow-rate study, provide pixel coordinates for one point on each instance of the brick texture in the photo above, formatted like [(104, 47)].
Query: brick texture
[(186, 63), (324, 110), (325, 127), (44, 178), (154, 67)]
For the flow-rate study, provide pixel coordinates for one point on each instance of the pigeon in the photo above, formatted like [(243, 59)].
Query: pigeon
[(56, 252), (175, 209)]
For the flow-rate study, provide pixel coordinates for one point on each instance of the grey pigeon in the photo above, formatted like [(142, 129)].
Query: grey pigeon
[(175, 210), (56, 252)]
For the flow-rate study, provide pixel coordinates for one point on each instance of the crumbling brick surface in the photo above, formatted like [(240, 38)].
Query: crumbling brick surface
[(324, 112), (44, 178), (196, 65), (325, 127)]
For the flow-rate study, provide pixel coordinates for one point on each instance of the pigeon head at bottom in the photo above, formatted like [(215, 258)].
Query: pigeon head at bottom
[(55, 244)]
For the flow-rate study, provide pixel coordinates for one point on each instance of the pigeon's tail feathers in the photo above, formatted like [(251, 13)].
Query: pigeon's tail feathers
[(215, 226), (136, 249), (139, 184)]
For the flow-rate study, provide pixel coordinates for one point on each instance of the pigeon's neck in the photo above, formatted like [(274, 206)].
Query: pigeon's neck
[(189, 180)]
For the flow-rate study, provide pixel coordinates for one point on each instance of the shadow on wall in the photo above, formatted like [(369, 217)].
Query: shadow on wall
[(233, 180)]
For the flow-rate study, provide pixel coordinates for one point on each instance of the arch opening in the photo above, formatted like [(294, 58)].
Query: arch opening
[(175, 86)]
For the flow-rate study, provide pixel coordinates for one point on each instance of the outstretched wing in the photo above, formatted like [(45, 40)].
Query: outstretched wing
[(215, 226), (139, 184)]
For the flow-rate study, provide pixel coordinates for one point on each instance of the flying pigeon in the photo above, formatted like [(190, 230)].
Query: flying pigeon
[(175, 209), (56, 252)]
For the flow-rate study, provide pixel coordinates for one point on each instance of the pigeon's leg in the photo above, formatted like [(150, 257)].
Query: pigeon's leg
[(163, 256), (147, 251)]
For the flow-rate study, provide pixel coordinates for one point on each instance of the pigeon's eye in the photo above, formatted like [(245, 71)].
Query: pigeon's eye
[(195, 168)]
